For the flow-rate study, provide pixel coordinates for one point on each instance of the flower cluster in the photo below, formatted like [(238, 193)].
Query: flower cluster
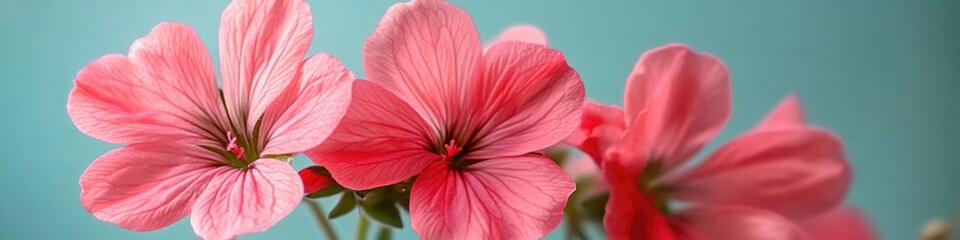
[(460, 135)]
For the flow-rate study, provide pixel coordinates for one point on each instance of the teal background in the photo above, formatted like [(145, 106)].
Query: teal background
[(882, 74)]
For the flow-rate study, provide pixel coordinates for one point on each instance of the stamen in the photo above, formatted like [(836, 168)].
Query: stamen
[(451, 149), (232, 146)]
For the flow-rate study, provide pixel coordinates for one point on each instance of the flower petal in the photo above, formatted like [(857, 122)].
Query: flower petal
[(600, 128), (306, 115), (628, 214), (381, 140), (795, 172), (841, 223), (789, 113), (165, 89), (425, 52), (240, 201), (262, 43), (526, 99), (522, 33), (506, 198), (676, 101), (146, 186), (737, 223)]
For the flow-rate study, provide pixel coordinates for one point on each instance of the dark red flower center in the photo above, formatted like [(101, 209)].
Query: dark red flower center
[(655, 191)]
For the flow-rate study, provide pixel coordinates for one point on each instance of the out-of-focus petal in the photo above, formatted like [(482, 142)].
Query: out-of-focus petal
[(308, 113), (628, 214), (840, 223), (736, 223), (585, 169), (521, 33), (788, 113), (262, 44), (146, 186), (505, 198), (796, 172), (676, 100), (381, 140), (425, 52), (581, 167), (165, 89), (527, 98), (246, 200), (601, 127)]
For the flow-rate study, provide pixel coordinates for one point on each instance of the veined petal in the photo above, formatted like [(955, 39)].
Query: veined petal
[(164, 90), (262, 44), (146, 186), (306, 115), (240, 201), (521, 33), (425, 52), (628, 213), (795, 172), (676, 100), (381, 140), (840, 223), (527, 98), (505, 198), (736, 223)]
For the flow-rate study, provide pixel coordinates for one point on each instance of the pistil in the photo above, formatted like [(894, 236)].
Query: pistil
[(233, 147)]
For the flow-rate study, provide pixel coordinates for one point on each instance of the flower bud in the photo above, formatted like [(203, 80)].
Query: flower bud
[(936, 229), (315, 178)]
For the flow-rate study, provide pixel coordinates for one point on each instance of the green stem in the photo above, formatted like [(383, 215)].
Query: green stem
[(574, 219), (363, 228), (322, 219), (385, 233)]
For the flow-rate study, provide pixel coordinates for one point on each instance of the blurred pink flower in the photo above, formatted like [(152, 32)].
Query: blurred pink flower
[(466, 121), (839, 223), (585, 169), (676, 100), (221, 158), (521, 33)]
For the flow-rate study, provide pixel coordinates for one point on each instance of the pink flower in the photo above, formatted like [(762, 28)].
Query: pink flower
[(465, 121), (753, 187), (521, 33), (839, 223), (221, 158)]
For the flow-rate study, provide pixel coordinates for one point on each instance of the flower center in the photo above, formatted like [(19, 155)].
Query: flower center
[(655, 191), (451, 154), (233, 147), (242, 147), (451, 150)]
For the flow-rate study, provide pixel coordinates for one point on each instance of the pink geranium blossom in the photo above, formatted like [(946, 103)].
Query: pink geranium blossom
[(753, 187), (220, 158), (466, 121)]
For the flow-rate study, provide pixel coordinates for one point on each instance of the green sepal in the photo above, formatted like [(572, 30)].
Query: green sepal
[(286, 158), (230, 157), (346, 204), (326, 192), (595, 207), (384, 212)]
